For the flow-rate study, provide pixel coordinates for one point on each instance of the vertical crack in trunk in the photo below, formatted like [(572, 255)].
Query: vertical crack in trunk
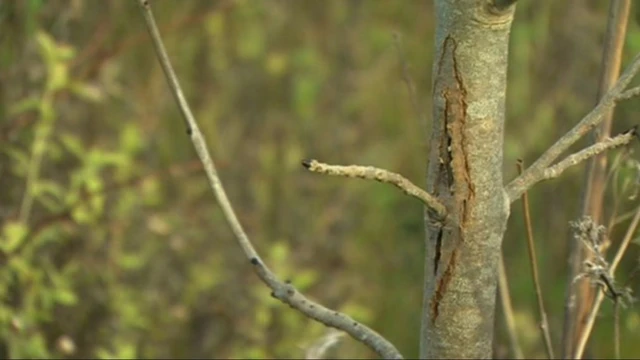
[(465, 164), (454, 177), (438, 253)]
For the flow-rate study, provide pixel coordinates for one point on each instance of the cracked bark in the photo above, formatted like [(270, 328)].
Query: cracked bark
[(465, 173)]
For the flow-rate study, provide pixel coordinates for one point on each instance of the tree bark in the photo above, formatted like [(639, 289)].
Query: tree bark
[(465, 173)]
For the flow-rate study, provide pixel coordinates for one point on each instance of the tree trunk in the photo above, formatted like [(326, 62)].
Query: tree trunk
[(465, 173)]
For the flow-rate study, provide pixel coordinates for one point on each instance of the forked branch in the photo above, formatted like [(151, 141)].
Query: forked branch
[(283, 291), (535, 172), (382, 175)]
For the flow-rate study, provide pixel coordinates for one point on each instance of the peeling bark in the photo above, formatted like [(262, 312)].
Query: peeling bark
[(465, 173)]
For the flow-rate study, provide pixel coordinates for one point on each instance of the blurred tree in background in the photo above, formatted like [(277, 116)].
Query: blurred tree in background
[(112, 245)]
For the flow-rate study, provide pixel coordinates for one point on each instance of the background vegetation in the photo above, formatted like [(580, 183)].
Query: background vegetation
[(112, 245)]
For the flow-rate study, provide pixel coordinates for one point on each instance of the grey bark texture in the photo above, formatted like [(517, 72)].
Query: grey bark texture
[(465, 174)]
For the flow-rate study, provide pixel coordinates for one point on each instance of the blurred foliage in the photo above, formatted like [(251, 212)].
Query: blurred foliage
[(112, 245)]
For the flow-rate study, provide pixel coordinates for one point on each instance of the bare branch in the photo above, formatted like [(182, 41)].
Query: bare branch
[(584, 336), (382, 175), (584, 154), (282, 291), (629, 94), (542, 313), (532, 175)]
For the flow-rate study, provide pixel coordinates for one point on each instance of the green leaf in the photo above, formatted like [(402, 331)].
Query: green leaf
[(130, 261), (81, 215), (131, 139), (47, 187), (20, 161), (305, 279), (279, 252), (58, 77), (87, 92), (13, 235), (73, 144), (20, 267), (251, 42), (29, 104), (65, 296)]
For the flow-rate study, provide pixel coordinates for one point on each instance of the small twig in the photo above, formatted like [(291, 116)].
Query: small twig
[(544, 325), (507, 310), (534, 173), (382, 175), (282, 291), (629, 94), (589, 152), (588, 326)]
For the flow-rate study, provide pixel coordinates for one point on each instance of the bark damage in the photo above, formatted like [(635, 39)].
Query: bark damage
[(453, 181)]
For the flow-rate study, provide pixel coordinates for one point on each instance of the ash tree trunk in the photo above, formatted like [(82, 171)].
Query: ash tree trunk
[(465, 173)]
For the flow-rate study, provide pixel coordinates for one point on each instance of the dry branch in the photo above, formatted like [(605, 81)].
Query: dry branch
[(282, 291), (629, 94), (584, 336), (542, 313), (589, 152), (382, 175), (535, 172)]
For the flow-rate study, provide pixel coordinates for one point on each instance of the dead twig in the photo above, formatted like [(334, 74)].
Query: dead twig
[(589, 152), (382, 175), (282, 291), (535, 172), (588, 326), (542, 313)]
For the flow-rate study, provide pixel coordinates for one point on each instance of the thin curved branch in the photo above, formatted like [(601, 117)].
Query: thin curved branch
[(282, 291), (587, 153), (542, 313), (629, 94), (382, 175), (533, 174)]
